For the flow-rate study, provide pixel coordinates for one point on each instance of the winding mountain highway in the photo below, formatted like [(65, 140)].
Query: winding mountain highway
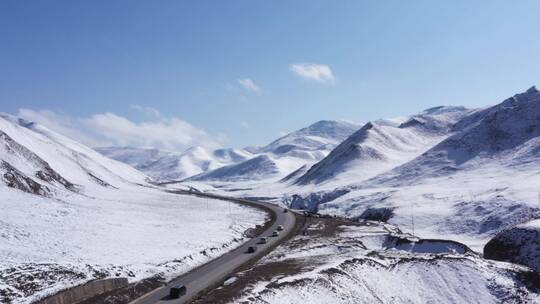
[(216, 271)]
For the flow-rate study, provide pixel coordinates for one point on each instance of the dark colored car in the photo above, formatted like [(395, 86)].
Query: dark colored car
[(177, 291), (285, 210), (263, 240), (251, 249)]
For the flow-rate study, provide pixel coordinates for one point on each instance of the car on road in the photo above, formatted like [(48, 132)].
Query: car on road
[(263, 240), (251, 249), (285, 210), (177, 291), (280, 228), (275, 233)]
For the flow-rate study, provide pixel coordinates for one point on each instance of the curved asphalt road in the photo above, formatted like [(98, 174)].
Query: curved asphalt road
[(217, 270)]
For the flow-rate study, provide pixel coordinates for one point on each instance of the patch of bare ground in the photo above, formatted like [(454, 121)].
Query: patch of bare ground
[(310, 228)]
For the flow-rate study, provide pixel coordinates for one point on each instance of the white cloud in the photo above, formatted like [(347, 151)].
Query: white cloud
[(249, 85), (312, 71), (109, 129), (244, 124), (146, 110), (63, 124)]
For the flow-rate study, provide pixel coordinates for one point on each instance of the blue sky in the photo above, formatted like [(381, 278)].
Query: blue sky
[(236, 73)]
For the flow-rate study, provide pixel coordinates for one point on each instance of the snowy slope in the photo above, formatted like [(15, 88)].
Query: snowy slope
[(376, 148), (51, 159), (322, 135), (166, 166), (506, 134), (353, 263), (70, 215)]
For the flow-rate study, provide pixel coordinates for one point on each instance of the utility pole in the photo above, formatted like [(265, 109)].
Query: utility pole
[(412, 218)]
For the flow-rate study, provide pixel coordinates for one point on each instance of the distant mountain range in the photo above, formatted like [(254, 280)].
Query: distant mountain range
[(272, 161), (167, 166), (379, 146)]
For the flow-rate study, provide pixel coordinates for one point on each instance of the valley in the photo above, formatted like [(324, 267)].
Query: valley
[(429, 199)]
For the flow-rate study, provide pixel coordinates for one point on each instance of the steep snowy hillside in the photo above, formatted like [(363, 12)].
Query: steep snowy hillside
[(286, 154), (70, 215), (34, 157), (166, 166), (378, 147), (506, 134)]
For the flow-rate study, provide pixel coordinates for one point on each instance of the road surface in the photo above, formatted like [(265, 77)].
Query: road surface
[(217, 270)]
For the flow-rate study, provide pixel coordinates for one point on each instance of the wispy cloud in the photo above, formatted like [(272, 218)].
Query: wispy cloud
[(109, 129), (249, 85), (152, 112), (312, 71), (244, 124)]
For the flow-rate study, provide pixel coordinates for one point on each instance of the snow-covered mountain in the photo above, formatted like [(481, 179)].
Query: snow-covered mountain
[(286, 154), (462, 174), (39, 161), (312, 141), (507, 134), (71, 215), (166, 166), (480, 178), (252, 169), (380, 146)]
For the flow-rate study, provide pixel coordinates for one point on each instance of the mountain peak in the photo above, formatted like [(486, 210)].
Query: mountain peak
[(531, 94), (369, 125), (532, 89), (443, 110), (327, 127), (322, 123), (16, 120), (318, 135)]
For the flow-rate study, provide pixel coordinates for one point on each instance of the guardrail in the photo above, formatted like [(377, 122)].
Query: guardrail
[(85, 291)]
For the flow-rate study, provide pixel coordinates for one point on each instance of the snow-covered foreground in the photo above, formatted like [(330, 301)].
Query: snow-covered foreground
[(134, 234), (364, 263)]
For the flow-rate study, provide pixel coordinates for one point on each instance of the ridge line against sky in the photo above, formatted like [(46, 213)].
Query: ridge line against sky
[(176, 74)]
